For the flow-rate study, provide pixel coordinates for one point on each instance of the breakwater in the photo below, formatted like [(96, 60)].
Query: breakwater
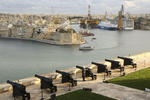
[(142, 60)]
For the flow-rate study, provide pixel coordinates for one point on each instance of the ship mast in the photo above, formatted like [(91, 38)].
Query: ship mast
[(105, 17)]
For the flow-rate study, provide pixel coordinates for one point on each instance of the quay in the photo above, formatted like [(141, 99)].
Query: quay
[(33, 84)]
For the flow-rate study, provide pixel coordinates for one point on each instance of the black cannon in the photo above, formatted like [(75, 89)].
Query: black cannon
[(102, 68), (47, 83), (86, 72), (19, 90), (128, 61), (66, 77), (115, 65)]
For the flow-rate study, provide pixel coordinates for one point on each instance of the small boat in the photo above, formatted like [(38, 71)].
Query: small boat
[(93, 38), (86, 33), (86, 47)]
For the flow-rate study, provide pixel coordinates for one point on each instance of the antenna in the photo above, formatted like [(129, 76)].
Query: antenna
[(122, 9), (89, 11)]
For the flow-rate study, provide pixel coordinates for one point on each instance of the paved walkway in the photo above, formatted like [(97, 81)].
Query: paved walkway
[(119, 92)]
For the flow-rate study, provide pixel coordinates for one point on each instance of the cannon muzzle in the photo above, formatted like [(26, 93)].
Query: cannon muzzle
[(112, 61), (125, 58), (63, 73), (80, 67)]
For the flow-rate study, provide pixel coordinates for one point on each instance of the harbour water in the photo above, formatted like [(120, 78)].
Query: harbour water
[(20, 59)]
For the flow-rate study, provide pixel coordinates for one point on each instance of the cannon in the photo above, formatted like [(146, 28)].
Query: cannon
[(47, 83), (19, 90), (86, 72), (66, 77), (102, 68), (128, 61), (115, 65)]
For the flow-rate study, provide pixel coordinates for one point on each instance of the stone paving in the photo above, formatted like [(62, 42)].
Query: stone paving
[(120, 92)]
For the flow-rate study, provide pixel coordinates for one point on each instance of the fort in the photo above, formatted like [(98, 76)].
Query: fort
[(41, 28)]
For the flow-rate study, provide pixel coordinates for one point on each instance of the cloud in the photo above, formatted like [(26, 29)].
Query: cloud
[(130, 3), (137, 6), (73, 6)]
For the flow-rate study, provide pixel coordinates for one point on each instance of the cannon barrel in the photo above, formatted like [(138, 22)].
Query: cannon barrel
[(98, 64), (15, 84), (12, 83), (125, 58), (43, 78), (38, 76), (63, 73), (80, 67), (112, 61), (95, 63)]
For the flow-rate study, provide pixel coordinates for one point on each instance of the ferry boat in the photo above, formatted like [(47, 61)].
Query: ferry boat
[(107, 25), (121, 22)]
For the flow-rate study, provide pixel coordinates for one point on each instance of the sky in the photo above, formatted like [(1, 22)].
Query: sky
[(73, 6)]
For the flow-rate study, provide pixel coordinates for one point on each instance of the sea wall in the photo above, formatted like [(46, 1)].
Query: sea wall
[(142, 59)]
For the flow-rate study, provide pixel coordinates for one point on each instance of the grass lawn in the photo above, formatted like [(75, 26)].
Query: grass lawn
[(82, 95), (138, 80)]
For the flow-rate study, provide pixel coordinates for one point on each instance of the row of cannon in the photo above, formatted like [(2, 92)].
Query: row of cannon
[(47, 83)]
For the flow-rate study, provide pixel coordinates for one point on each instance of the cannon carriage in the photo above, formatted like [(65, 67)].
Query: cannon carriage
[(102, 68), (67, 77), (115, 65), (19, 90), (128, 61), (86, 72), (47, 83)]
